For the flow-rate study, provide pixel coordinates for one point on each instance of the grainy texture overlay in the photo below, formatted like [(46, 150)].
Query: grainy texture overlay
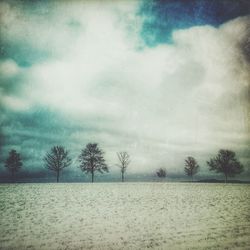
[(161, 80)]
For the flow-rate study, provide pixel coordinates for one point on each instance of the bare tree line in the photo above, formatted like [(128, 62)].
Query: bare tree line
[(91, 160)]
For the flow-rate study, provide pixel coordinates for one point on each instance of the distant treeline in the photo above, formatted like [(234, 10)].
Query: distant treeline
[(91, 160)]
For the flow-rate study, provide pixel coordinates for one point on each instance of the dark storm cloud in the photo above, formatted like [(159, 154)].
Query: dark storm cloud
[(34, 132)]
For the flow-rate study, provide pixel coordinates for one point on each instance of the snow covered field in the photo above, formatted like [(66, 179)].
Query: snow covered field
[(124, 216)]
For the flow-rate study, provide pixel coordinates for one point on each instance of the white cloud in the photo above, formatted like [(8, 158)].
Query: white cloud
[(158, 103)]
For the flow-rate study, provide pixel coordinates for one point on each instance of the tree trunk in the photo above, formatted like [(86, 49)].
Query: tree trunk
[(122, 177), (57, 176), (192, 178), (92, 171), (225, 178), (92, 176), (12, 176)]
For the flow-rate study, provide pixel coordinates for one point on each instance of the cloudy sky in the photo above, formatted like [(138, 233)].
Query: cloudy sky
[(160, 79)]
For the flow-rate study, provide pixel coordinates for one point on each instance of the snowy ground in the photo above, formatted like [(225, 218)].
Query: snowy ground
[(125, 216)]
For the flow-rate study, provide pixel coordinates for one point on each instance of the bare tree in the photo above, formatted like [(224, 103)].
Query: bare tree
[(124, 162), (91, 160), (57, 159), (191, 167), (162, 173), (13, 163), (225, 162)]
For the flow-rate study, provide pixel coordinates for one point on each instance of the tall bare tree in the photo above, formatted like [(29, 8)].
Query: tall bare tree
[(57, 159), (161, 173), (13, 163), (225, 162), (91, 160), (124, 162), (191, 167)]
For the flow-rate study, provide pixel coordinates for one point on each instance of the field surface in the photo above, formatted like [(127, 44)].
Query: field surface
[(124, 216)]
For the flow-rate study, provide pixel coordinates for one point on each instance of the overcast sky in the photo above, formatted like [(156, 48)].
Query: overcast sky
[(161, 80)]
